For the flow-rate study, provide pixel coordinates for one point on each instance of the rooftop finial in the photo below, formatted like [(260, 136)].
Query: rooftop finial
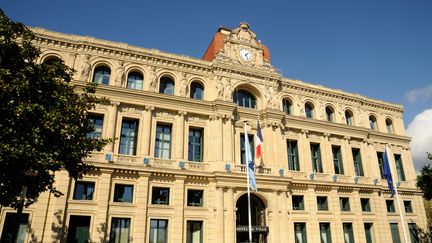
[(244, 25)]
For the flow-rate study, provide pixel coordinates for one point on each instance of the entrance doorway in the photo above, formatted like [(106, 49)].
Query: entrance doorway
[(259, 228)]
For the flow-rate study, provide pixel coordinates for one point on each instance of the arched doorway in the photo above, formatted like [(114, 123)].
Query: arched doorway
[(259, 228)]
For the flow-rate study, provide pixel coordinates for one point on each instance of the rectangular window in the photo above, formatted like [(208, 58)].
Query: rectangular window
[(316, 158), (83, 190), (337, 160), (394, 229), (357, 162), (128, 137), (413, 231), (344, 204), (9, 228), (195, 198), (325, 235), (380, 156), (96, 122), (163, 141), (348, 232), (120, 230), (408, 207), (242, 148), (399, 167), (194, 232), (293, 158), (195, 145), (123, 193), (390, 206), (79, 229), (322, 203), (298, 202), (300, 233), (368, 232), (160, 195), (158, 231), (365, 205)]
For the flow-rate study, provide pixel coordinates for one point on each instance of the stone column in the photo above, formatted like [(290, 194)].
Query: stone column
[(146, 130), (177, 229), (141, 197), (112, 125), (179, 138), (220, 223), (312, 225), (284, 219), (327, 155), (303, 146), (228, 139), (103, 195), (274, 221), (347, 157), (229, 223), (358, 225)]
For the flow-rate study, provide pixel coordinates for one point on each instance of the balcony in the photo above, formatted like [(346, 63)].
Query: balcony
[(177, 164)]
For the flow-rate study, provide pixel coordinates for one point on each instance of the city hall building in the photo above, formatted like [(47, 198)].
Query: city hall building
[(176, 171)]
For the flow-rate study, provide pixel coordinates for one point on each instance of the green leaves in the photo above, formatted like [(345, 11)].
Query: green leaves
[(43, 122)]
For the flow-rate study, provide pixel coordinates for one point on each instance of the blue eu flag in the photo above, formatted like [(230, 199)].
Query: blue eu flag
[(387, 172)]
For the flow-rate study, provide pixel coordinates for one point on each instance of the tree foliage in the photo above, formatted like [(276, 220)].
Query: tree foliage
[(424, 180), (43, 120)]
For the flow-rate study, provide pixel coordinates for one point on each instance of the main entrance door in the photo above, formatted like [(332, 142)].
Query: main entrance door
[(259, 228)]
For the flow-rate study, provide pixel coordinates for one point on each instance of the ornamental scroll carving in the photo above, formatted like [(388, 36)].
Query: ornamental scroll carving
[(243, 34), (132, 109)]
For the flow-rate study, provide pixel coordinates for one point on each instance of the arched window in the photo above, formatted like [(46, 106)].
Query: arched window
[(373, 122), (102, 75), (166, 86), (197, 91), (244, 99), (389, 125), (349, 117), (309, 109), (135, 80), (329, 113), (51, 60), (287, 106)]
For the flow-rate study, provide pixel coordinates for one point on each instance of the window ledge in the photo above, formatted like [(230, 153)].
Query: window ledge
[(87, 202), (196, 208), (160, 206), (123, 204)]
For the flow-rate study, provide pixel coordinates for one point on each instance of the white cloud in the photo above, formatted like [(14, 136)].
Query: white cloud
[(423, 93), (420, 129)]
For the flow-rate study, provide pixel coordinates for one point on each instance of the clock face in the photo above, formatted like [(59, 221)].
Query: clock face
[(246, 55)]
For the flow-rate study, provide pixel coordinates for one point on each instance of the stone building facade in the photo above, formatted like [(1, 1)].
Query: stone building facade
[(176, 173)]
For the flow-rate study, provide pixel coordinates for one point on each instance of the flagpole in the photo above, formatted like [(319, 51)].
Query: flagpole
[(398, 201), (248, 187)]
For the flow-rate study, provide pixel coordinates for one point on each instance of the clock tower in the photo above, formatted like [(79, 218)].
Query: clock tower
[(238, 46)]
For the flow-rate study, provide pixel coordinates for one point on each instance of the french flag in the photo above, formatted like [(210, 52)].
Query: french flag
[(258, 142)]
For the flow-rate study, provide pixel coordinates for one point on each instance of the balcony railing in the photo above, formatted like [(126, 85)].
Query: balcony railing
[(237, 168), (258, 169)]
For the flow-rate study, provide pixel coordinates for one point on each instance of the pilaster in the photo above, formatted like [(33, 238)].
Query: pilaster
[(146, 130), (229, 214)]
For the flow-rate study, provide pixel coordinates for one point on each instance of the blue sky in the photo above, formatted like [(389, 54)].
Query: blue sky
[(380, 49)]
